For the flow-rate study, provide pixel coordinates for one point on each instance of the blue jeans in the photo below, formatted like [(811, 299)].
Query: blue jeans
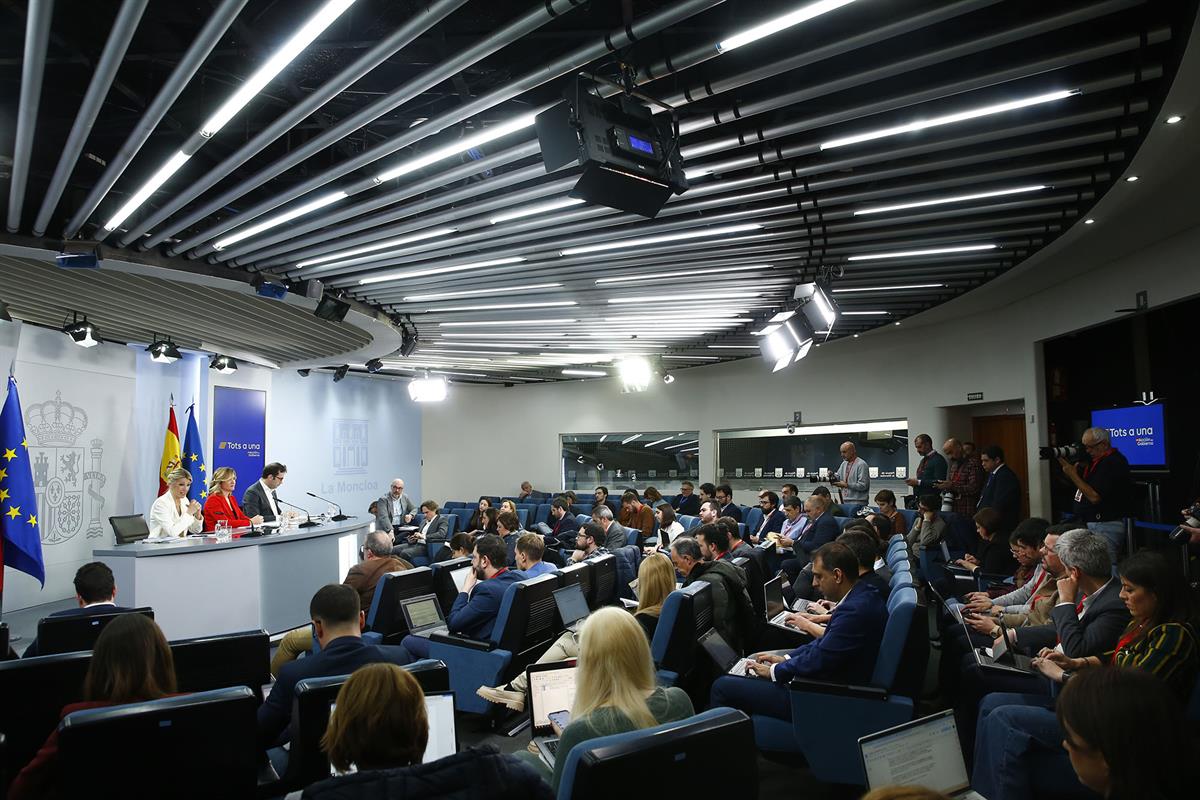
[(1113, 532), (1019, 746), (752, 695)]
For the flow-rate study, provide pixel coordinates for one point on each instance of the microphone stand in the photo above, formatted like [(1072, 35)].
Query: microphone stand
[(306, 524), (338, 517)]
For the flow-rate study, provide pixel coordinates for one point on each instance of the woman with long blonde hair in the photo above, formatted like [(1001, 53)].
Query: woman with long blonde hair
[(615, 688), (656, 580)]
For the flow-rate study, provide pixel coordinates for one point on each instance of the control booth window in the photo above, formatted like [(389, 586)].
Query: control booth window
[(629, 460), (807, 455)]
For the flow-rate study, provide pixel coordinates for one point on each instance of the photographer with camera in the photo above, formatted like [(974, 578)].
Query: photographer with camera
[(1188, 531), (1103, 488)]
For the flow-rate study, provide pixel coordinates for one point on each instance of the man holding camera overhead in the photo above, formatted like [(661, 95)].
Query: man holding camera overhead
[(1102, 488)]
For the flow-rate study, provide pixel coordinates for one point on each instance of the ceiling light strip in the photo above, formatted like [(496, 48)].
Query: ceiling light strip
[(934, 251), (660, 239), (962, 198)]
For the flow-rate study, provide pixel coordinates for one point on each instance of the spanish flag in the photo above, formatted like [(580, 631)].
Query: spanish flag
[(171, 454)]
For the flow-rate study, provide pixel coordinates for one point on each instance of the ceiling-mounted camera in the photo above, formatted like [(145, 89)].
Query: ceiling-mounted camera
[(630, 160)]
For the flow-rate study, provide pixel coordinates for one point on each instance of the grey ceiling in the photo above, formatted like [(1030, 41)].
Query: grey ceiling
[(753, 122)]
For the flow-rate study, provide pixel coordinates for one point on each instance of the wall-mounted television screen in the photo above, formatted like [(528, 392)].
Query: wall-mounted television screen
[(1137, 431)]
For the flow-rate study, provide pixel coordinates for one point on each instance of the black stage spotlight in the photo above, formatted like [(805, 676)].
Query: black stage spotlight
[(332, 309), (408, 344), (163, 351), (340, 372), (303, 373), (374, 365), (82, 332), (4, 315), (223, 364)]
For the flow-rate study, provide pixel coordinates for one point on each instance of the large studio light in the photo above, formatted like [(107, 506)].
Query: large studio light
[(818, 307), (635, 374), (82, 332), (427, 390)]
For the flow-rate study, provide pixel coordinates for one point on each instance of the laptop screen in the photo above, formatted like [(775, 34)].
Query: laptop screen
[(550, 690), (442, 740), (459, 576), (572, 605), (773, 597), (922, 753), (719, 650), (422, 612)]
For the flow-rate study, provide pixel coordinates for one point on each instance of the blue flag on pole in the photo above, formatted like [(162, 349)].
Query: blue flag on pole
[(20, 538), (193, 459)]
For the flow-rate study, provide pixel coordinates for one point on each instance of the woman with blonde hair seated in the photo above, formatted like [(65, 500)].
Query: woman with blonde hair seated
[(380, 728), (615, 687), (656, 580), (222, 506), (172, 513)]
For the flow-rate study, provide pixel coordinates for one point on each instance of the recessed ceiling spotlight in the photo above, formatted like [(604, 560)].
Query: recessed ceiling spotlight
[(1174, 119), (1131, 179), (856, 336), (1089, 221)]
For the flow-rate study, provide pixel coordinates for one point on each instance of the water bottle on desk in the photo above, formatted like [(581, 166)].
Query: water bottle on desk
[(221, 529)]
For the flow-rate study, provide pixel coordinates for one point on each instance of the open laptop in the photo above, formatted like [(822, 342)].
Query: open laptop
[(1002, 657), (459, 576), (423, 615), (551, 691), (724, 656), (572, 606), (924, 752), (776, 605), (954, 611)]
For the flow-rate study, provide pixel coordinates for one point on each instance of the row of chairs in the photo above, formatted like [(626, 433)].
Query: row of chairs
[(33, 691)]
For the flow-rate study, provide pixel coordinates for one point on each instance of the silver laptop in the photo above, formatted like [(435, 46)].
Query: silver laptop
[(551, 695), (724, 656), (459, 576), (776, 605), (1002, 657), (924, 752), (572, 606), (423, 615)]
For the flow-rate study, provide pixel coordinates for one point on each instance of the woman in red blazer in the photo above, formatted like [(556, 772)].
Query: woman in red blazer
[(222, 505), (131, 663)]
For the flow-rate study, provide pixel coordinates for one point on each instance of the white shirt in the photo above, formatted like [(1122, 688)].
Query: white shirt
[(398, 510), (270, 497), (166, 520)]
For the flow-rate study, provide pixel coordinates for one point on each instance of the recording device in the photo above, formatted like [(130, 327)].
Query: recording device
[(307, 523), (339, 516), (1191, 518), (1071, 452), (630, 160)]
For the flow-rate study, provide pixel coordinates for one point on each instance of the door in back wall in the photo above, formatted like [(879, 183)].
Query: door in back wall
[(1008, 431)]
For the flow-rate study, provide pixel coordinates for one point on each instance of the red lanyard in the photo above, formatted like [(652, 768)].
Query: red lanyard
[(1079, 606), (1095, 461), (1126, 640), (1041, 578)]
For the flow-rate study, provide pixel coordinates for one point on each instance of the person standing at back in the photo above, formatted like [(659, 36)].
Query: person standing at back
[(1103, 488), (1001, 489), (853, 479), (965, 480), (931, 469)]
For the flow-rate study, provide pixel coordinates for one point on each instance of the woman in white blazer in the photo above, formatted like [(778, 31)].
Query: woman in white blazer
[(173, 514)]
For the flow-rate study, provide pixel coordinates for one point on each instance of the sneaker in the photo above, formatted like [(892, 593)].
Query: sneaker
[(495, 694)]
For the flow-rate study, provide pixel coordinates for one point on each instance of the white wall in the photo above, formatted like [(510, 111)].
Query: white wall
[(929, 370), (125, 398)]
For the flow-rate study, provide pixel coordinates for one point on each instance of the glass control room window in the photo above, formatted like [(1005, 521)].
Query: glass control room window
[(766, 458), (629, 460)]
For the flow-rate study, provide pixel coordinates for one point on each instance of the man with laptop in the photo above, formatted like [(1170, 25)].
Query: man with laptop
[(476, 607), (847, 652)]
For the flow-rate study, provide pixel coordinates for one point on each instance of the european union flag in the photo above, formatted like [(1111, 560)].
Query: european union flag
[(20, 538), (193, 459)]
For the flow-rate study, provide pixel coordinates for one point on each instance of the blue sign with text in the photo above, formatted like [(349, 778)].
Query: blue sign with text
[(1137, 431), (239, 432)]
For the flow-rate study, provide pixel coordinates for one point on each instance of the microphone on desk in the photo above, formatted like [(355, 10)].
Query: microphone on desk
[(338, 517), (307, 524)]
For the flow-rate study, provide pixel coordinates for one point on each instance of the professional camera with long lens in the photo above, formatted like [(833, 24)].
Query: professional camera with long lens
[(1071, 452), (1191, 517)]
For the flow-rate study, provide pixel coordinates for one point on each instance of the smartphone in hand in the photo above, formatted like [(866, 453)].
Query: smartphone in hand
[(559, 721)]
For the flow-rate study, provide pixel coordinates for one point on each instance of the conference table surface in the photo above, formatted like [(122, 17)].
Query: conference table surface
[(199, 586)]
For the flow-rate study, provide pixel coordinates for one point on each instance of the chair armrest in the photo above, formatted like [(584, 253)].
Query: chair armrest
[(839, 689), (462, 641)]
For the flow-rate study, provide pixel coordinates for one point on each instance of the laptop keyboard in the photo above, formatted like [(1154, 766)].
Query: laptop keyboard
[(552, 746)]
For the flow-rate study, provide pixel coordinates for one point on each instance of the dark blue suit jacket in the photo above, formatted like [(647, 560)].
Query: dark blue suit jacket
[(32, 650), (689, 505), (774, 524), (473, 616), (823, 530), (732, 510), (1002, 491), (340, 657), (850, 646)]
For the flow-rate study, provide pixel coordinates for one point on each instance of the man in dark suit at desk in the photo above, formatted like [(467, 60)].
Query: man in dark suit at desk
[(1001, 489), (261, 499), (337, 621), (95, 592), (474, 611)]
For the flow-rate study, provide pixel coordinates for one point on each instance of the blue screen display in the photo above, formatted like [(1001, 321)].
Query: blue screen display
[(641, 144), (1137, 431)]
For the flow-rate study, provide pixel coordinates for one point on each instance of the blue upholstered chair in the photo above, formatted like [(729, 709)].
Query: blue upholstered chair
[(525, 626), (674, 759), (686, 615), (753, 517), (543, 514), (847, 712)]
